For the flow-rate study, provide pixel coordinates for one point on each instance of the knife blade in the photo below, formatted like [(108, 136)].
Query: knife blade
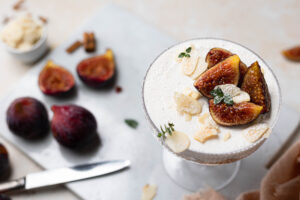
[(64, 175)]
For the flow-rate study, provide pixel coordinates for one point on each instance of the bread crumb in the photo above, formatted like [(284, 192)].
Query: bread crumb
[(149, 191), (227, 136), (206, 133), (202, 118), (255, 132)]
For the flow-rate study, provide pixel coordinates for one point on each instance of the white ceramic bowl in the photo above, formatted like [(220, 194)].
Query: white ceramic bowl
[(32, 55)]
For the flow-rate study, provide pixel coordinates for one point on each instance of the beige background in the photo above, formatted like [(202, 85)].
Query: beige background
[(266, 27)]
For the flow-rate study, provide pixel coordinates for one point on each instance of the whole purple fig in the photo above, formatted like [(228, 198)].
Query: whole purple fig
[(27, 117), (4, 162), (72, 125)]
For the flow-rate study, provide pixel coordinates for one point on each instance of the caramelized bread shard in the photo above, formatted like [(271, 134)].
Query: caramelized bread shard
[(216, 55), (225, 72), (255, 85), (237, 114)]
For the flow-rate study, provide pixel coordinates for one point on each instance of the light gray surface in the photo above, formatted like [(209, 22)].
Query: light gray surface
[(135, 45)]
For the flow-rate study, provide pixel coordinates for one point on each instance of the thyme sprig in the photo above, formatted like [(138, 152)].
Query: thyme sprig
[(219, 96), (167, 129), (186, 53)]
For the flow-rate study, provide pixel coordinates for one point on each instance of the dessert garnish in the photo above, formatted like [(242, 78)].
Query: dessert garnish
[(194, 94), (74, 46), (28, 118), (219, 96), (187, 105), (73, 126), (55, 80), (97, 71), (202, 118), (292, 53), (131, 123), (225, 72), (169, 128), (216, 55), (233, 92), (255, 85), (205, 133), (177, 141), (188, 61), (149, 192), (22, 33), (236, 114), (89, 41), (185, 53), (255, 132), (227, 136)]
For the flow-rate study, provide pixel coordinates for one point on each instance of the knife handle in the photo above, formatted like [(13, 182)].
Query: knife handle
[(13, 185)]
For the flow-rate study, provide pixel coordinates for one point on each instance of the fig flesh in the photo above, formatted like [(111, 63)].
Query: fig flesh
[(27, 117), (4, 162), (237, 114), (255, 85), (97, 71), (72, 126), (55, 80), (216, 55), (292, 53), (225, 72)]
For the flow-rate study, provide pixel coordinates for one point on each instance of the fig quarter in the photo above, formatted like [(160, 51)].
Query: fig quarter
[(225, 72)]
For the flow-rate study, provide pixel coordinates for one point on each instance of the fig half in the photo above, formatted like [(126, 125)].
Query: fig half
[(255, 85), (55, 80), (216, 55), (237, 114), (27, 117), (97, 71), (72, 125), (225, 72)]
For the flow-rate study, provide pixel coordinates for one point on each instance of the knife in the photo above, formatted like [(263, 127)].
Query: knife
[(63, 175)]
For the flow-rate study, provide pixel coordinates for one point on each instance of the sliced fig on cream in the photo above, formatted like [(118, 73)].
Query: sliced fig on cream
[(216, 55), (236, 114), (255, 85), (225, 72)]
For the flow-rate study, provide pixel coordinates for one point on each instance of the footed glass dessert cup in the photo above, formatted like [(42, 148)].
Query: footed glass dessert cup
[(213, 163)]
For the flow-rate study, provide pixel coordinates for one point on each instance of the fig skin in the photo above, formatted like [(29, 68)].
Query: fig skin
[(55, 80), (225, 72), (72, 125), (255, 85), (216, 55), (237, 114), (292, 53), (97, 71), (4, 162), (27, 117)]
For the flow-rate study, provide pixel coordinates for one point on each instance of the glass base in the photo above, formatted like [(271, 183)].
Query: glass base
[(193, 176)]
